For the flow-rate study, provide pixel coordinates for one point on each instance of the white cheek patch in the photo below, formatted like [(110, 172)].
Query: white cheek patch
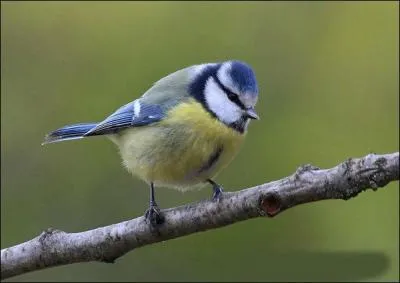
[(219, 103)]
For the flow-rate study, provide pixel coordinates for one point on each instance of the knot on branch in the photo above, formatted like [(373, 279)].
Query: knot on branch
[(362, 174), (47, 233), (269, 205), (347, 166), (303, 169), (381, 176), (47, 238)]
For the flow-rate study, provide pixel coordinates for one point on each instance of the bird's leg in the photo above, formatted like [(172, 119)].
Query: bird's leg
[(217, 190), (153, 214)]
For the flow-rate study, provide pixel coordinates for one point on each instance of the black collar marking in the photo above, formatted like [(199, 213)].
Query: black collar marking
[(240, 125)]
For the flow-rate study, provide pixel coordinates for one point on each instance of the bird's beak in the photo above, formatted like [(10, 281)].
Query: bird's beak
[(251, 113)]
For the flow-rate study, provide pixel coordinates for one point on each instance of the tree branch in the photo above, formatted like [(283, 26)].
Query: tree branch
[(54, 247)]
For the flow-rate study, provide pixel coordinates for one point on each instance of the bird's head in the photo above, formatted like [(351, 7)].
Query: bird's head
[(228, 91)]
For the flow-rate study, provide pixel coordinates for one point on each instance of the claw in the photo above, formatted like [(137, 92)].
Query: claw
[(217, 190), (154, 216), (217, 193)]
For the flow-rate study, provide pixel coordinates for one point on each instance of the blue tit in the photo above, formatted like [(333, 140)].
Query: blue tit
[(183, 130)]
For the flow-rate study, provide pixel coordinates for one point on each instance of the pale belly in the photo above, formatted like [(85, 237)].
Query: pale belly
[(177, 157)]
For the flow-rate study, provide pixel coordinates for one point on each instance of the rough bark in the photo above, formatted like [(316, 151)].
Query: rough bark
[(308, 184)]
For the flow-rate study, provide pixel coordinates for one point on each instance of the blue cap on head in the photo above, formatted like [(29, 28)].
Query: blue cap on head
[(243, 77)]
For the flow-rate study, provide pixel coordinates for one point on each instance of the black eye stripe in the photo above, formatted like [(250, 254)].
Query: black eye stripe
[(231, 95)]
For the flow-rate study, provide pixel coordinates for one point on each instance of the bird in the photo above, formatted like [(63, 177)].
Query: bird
[(181, 133)]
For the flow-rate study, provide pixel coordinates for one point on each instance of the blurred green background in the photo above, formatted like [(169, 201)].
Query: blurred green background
[(328, 76)]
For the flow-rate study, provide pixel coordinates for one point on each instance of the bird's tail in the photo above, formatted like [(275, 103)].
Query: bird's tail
[(70, 132)]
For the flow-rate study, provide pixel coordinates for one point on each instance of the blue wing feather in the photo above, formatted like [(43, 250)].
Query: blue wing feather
[(125, 117), (69, 132)]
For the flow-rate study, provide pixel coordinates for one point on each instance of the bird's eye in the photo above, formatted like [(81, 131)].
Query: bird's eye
[(235, 99), (232, 96)]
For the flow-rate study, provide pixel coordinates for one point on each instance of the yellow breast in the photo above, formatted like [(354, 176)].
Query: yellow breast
[(186, 148)]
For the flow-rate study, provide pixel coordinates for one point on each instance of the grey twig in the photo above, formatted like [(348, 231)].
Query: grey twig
[(346, 180)]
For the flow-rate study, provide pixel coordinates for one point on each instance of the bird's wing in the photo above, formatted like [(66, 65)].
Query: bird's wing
[(134, 114), (169, 89), (150, 108)]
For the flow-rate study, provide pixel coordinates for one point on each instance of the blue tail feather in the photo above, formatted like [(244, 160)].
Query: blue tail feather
[(70, 132)]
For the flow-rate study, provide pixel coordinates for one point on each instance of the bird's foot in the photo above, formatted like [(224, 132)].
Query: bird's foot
[(217, 193), (153, 215), (217, 190)]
